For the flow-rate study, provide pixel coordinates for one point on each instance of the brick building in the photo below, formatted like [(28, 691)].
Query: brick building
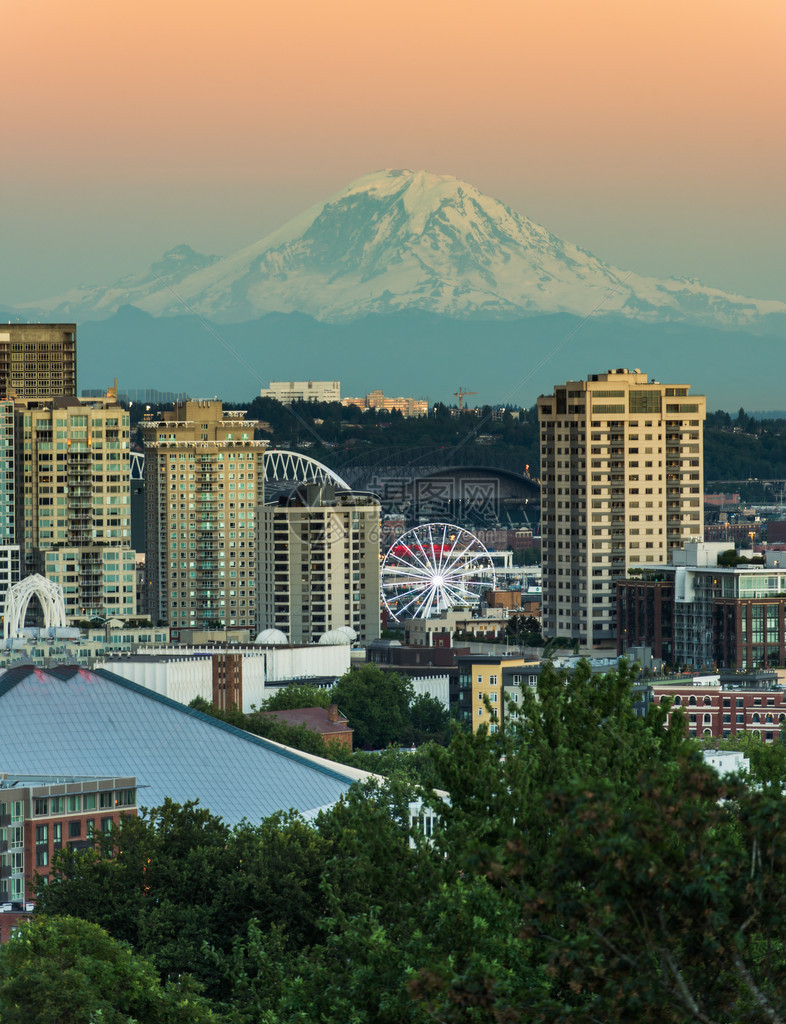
[(42, 814), (729, 616), (725, 706), (331, 725), (645, 613)]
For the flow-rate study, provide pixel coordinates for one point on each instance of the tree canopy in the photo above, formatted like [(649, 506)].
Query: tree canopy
[(586, 866), (62, 970)]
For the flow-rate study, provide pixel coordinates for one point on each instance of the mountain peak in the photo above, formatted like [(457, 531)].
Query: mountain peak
[(400, 239)]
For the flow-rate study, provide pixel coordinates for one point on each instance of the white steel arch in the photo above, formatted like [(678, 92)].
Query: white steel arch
[(137, 465), (283, 465), (50, 595)]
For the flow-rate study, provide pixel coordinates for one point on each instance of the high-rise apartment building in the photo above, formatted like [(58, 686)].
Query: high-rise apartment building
[(319, 564), (7, 490), (621, 483), (72, 509), (37, 360), (204, 478)]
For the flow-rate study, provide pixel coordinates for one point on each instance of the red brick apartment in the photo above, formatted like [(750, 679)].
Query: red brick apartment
[(721, 709), (42, 814)]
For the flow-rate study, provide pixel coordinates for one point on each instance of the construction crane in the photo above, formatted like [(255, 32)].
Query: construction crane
[(460, 395)]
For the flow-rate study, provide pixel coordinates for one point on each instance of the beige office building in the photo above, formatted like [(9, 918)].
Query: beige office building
[(319, 564), (287, 391), (408, 407), (621, 484), (204, 478), (73, 500), (37, 360)]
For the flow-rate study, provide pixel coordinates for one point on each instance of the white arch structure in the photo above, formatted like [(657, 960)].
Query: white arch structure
[(279, 465), (50, 595), (283, 465), (137, 460)]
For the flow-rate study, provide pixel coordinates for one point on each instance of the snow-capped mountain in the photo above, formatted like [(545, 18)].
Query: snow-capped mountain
[(407, 240)]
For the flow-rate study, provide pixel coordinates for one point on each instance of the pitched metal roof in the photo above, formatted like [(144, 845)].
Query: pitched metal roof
[(70, 720)]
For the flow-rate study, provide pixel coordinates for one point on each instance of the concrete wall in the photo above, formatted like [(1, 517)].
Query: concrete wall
[(184, 678), (433, 686)]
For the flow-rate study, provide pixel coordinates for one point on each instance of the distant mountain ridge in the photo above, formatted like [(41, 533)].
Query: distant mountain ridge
[(406, 241), (423, 355)]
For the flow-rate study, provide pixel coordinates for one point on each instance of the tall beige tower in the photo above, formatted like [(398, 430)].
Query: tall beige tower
[(37, 360), (204, 478), (622, 470), (73, 500), (319, 564)]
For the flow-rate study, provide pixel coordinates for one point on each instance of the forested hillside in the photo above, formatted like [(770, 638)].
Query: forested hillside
[(737, 447)]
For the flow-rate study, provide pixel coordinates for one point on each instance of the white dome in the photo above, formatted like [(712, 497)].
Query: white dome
[(348, 631), (271, 636), (334, 637)]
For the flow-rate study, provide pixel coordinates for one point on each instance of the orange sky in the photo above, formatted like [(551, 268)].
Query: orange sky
[(652, 133)]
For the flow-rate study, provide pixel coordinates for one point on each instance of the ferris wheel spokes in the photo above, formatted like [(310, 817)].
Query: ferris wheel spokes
[(434, 567)]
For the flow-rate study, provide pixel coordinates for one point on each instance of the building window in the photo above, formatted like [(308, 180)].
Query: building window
[(42, 833), (74, 829), (42, 857)]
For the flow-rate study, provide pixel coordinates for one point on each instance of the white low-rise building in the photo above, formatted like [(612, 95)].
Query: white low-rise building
[(727, 762), (185, 673), (433, 686)]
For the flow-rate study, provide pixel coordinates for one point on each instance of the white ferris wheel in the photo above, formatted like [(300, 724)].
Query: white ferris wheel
[(433, 567)]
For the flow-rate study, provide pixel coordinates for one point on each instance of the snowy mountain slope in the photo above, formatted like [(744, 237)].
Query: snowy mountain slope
[(402, 240)]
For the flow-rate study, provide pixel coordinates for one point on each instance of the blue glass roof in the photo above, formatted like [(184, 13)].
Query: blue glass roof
[(70, 720)]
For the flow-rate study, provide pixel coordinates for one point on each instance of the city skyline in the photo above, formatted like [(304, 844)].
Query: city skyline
[(646, 134)]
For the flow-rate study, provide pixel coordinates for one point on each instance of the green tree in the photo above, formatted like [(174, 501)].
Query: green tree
[(767, 760), (297, 696), (413, 769), (527, 556), (376, 703), (524, 629), (649, 892), (430, 720), (572, 725), (300, 737), (66, 971)]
